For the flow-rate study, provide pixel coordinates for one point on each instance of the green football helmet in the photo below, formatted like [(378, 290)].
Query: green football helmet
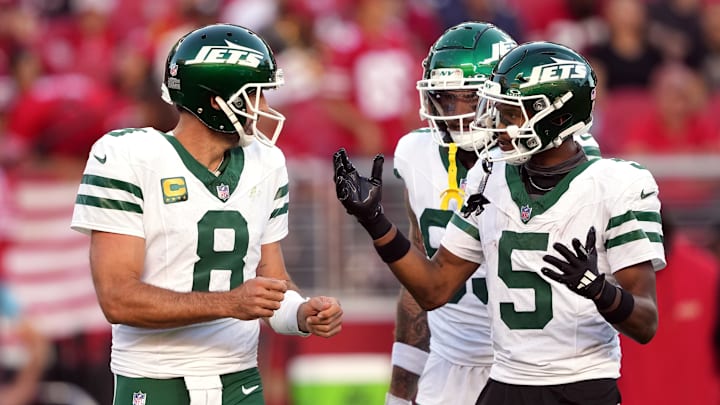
[(454, 69), (230, 65), (551, 88)]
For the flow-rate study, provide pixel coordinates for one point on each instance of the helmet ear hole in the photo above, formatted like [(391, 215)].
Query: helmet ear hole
[(562, 119), (214, 103)]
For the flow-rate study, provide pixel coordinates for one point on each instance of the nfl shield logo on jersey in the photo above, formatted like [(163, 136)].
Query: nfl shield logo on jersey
[(525, 212), (223, 191), (139, 398)]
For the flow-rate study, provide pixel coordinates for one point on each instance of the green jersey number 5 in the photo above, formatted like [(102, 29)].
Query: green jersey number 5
[(525, 279)]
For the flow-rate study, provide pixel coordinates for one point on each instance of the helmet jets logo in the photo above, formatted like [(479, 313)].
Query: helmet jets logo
[(233, 54), (498, 50), (446, 77), (560, 70)]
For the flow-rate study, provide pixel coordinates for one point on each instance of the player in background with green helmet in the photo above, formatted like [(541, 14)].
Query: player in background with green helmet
[(186, 228), (444, 356)]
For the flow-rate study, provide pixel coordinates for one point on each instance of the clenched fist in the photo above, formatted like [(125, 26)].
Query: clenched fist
[(321, 316)]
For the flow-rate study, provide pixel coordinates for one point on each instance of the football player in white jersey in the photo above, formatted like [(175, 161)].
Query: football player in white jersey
[(457, 335), (186, 227), (570, 245), (433, 163)]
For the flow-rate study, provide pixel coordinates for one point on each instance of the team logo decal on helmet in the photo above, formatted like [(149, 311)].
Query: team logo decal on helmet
[(560, 70), (231, 53)]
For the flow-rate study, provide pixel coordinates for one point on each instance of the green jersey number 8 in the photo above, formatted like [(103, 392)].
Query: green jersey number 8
[(211, 259)]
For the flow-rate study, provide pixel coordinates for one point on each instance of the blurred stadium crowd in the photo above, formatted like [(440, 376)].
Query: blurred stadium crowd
[(71, 70)]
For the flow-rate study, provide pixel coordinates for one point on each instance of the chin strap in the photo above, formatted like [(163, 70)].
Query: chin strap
[(245, 139), (578, 128), (453, 192)]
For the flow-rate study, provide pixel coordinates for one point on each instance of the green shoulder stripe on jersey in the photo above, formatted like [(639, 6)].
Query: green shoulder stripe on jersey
[(545, 202), (397, 174), (631, 163), (279, 211), (112, 183), (633, 236), (592, 151), (232, 167), (461, 170), (108, 203), (465, 226), (645, 216), (282, 192), (124, 131)]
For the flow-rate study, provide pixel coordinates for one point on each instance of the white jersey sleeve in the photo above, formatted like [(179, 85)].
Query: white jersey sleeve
[(110, 198), (202, 232)]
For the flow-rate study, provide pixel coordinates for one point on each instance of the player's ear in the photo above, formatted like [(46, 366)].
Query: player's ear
[(214, 103)]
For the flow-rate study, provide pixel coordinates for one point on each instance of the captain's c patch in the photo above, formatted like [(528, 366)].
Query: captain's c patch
[(174, 190)]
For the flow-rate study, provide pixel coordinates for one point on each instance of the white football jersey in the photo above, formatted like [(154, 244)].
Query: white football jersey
[(543, 333), (459, 330), (202, 233)]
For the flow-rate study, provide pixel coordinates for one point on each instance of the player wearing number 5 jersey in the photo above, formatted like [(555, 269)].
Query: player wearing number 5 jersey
[(570, 244), (433, 162), (186, 227)]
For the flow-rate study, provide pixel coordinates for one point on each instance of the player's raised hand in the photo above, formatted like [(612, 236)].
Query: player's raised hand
[(321, 316), (579, 271), (257, 298), (361, 196)]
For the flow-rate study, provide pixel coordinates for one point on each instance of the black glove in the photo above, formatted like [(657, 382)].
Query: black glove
[(361, 196), (474, 204), (579, 272)]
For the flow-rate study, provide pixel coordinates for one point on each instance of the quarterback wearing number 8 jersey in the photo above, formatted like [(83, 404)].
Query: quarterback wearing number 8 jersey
[(142, 182), (185, 231)]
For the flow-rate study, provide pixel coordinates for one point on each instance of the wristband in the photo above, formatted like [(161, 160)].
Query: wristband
[(624, 309), (394, 250), (377, 226), (607, 295), (391, 399), (284, 319), (408, 357)]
